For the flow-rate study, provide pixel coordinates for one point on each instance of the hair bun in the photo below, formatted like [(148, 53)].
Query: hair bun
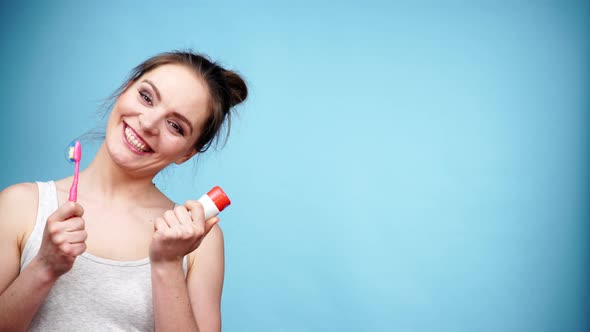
[(237, 87)]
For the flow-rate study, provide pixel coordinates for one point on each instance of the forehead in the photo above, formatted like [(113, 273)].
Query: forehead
[(181, 90)]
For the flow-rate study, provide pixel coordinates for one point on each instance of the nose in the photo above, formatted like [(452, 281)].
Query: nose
[(149, 120)]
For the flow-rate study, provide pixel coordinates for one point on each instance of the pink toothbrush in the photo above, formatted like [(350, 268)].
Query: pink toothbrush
[(75, 155)]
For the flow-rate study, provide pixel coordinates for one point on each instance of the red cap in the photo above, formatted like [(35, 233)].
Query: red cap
[(219, 198)]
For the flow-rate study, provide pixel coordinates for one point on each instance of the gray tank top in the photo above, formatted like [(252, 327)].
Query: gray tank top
[(97, 294)]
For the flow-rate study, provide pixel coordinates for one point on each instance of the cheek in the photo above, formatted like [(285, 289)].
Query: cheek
[(176, 146), (113, 119), (127, 100), (116, 110), (123, 104), (120, 108)]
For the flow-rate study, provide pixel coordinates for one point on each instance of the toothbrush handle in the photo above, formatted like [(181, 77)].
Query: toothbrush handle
[(74, 188)]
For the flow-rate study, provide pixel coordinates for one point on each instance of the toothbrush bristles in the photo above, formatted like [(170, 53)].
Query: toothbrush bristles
[(71, 154)]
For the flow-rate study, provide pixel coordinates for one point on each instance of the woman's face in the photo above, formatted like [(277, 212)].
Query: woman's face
[(157, 120)]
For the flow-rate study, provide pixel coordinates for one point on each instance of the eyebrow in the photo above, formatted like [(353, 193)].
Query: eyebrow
[(153, 87), (176, 114), (183, 119)]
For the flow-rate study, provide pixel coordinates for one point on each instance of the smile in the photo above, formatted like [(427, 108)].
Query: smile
[(135, 141)]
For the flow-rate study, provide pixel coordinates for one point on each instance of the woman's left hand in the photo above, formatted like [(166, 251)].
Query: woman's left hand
[(178, 232)]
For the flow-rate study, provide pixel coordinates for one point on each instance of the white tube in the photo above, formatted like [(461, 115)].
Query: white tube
[(208, 206)]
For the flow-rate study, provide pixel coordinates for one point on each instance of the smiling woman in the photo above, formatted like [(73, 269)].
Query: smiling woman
[(124, 256), (163, 115)]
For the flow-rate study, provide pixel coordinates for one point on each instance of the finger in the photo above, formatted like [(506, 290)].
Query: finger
[(184, 218), (76, 237), (74, 224), (209, 223), (66, 211), (160, 225), (196, 210), (170, 218), (73, 249), (70, 237)]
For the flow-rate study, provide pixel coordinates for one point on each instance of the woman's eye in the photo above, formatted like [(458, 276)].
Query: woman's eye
[(146, 97), (176, 127)]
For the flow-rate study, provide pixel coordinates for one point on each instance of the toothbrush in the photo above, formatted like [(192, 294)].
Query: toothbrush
[(75, 155)]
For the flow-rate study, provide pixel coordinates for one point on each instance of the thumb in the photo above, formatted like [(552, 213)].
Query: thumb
[(209, 223)]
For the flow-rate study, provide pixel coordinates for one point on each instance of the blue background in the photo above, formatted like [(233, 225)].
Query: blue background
[(398, 166)]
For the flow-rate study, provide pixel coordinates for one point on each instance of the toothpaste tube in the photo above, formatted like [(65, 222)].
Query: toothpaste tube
[(214, 202)]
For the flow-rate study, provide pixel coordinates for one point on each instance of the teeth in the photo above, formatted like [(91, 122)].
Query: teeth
[(134, 141)]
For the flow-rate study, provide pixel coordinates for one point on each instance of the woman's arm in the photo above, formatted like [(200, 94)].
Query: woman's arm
[(190, 304), (172, 308), (205, 281), (21, 294)]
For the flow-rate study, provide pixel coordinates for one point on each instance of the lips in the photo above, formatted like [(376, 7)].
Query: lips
[(136, 142)]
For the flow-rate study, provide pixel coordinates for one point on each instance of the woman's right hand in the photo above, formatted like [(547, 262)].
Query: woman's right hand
[(63, 239)]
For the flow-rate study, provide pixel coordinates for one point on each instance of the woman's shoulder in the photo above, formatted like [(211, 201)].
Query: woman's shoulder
[(18, 208), (20, 194), (212, 247)]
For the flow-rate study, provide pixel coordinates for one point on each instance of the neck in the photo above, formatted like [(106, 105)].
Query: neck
[(103, 178)]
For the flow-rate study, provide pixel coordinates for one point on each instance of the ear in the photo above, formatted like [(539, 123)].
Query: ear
[(187, 156)]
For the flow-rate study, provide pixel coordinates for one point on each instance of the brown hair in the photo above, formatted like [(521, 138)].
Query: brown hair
[(226, 89)]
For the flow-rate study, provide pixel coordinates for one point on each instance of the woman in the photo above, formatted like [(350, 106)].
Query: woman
[(125, 257)]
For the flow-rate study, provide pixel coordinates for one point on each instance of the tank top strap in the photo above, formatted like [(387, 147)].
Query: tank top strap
[(47, 204)]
